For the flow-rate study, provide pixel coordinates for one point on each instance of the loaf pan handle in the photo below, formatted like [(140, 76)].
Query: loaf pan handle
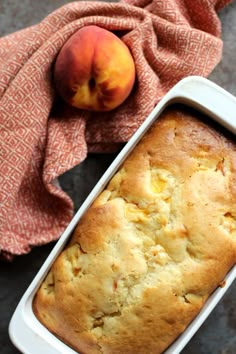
[(208, 97)]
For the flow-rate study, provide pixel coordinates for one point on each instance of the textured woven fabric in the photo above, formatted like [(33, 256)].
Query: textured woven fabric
[(41, 137)]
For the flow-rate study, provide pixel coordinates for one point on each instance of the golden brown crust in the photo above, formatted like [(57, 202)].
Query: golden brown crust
[(154, 245)]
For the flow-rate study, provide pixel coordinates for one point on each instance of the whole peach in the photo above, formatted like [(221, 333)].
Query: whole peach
[(94, 70)]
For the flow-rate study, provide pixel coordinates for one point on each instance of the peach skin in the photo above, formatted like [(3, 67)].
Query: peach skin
[(94, 70)]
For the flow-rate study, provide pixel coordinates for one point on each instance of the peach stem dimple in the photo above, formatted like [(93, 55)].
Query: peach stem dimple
[(92, 83)]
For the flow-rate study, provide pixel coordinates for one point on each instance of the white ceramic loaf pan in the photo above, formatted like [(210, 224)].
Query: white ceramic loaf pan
[(26, 332)]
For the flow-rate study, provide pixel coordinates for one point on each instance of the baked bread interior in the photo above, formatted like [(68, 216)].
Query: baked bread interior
[(153, 246)]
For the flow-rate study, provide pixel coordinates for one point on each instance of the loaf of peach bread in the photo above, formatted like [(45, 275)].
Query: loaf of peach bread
[(153, 246)]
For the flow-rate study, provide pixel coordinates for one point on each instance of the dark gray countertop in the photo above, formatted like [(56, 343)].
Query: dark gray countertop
[(217, 335)]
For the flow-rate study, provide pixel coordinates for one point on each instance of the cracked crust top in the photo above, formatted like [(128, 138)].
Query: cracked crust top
[(153, 246)]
